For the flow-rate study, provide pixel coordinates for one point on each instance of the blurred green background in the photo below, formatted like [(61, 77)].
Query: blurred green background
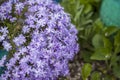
[(98, 23)]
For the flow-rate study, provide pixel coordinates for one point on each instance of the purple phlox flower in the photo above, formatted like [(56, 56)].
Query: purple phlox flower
[(19, 7), (25, 29), (4, 30), (23, 50), (7, 46), (19, 40), (13, 19), (41, 22), (30, 2), (2, 37), (2, 61), (5, 10)]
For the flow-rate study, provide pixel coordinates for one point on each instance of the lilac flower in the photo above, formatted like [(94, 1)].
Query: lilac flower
[(41, 22), (13, 19), (5, 10), (2, 61), (7, 46), (2, 38), (19, 7), (22, 50), (25, 29), (14, 1), (4, 30), (19, 40)]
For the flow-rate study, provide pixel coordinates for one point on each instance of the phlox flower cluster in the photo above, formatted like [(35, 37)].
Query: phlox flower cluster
[(43, 43)]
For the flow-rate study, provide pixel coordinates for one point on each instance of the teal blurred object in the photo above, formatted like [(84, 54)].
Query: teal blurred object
[(2, 69), (57, 1), (2, 53), (110, 12)]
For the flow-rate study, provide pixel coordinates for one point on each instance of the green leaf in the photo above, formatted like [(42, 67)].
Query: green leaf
[(77, 16), (116, 71), (108, 77), (101, 54), (86, 56), (107, 43), (114, 59), (110, 30), (117, 42), (100, 41), (97, 41), (98, 23), (86, 70), (95, 76), (103, 47), (87, 8)]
